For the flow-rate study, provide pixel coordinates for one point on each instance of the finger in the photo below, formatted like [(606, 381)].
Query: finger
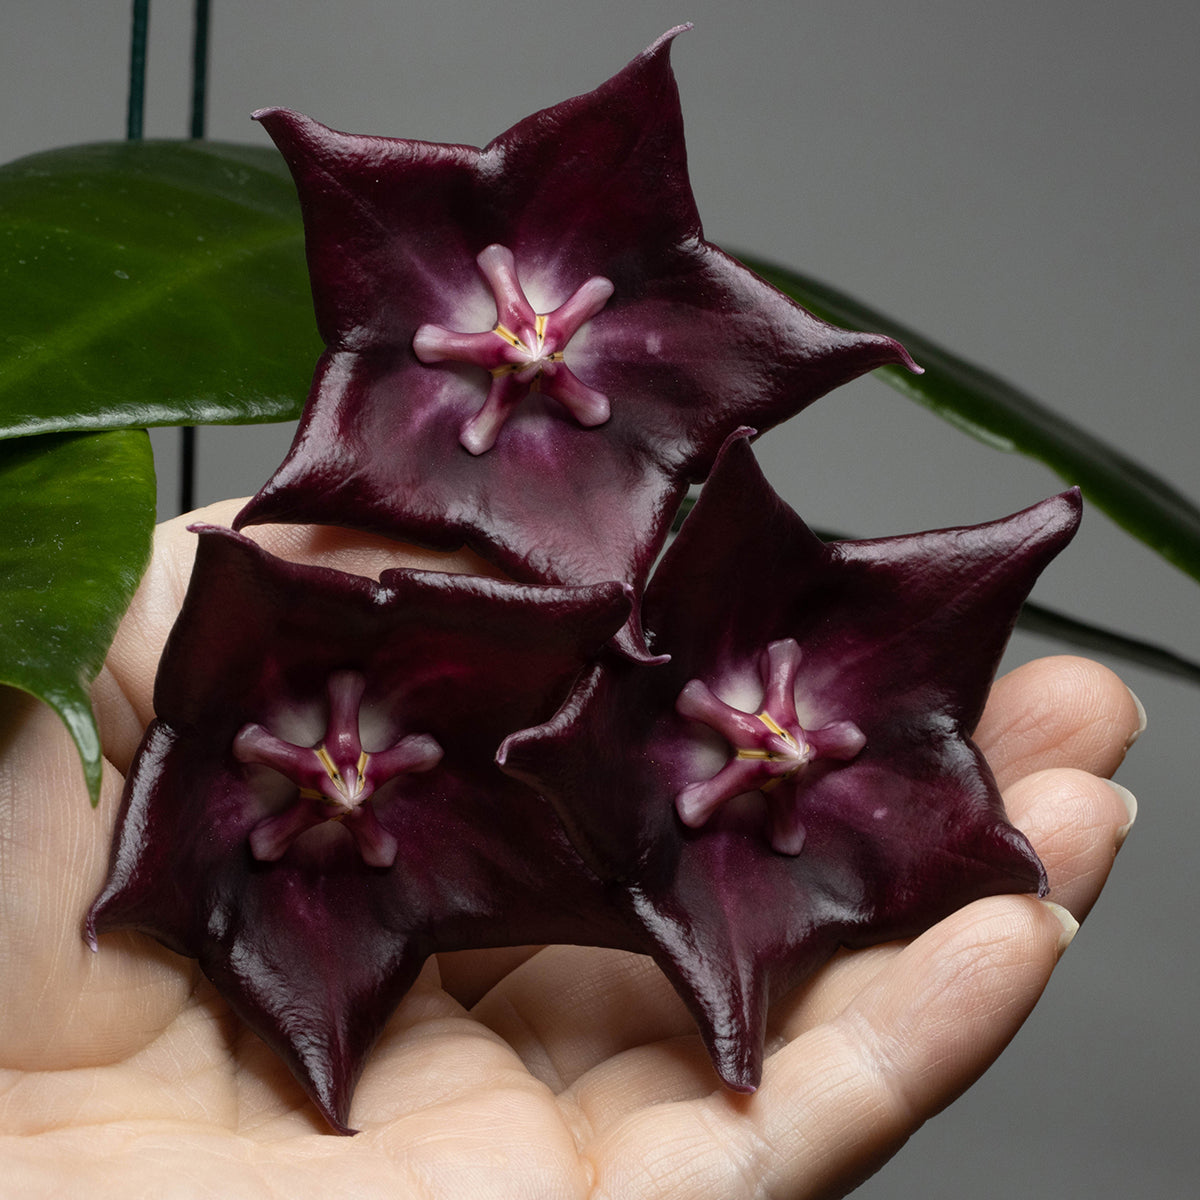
[(119, 722), (570, 1008), (433, 1056), (346, 550), (362, 553), (1058, 712), (837, 1102), (62, 1006), (1076, 822), (133, 657)]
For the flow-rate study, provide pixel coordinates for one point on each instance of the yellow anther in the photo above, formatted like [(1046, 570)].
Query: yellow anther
[(771, 755), (770, 722), (511, 338), (327, 762)]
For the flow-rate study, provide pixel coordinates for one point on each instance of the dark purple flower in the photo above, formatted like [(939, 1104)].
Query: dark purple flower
[(316, 808), (531, 348), (800, 774)]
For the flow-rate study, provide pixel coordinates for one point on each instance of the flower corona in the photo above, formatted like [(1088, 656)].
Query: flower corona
[(335, 779), (770, 747), (524, 351)]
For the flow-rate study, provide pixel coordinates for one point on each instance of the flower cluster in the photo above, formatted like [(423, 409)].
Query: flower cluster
[(757, 755)]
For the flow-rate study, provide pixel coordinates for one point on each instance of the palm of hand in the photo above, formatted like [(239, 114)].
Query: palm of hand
[(563, 1071)]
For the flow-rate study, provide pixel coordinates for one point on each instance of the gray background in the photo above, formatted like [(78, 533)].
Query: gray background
[(1020, 182)]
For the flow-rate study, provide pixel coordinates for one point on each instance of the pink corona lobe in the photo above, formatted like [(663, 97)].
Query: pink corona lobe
[(523, 352), (334, 778), (769, 747)]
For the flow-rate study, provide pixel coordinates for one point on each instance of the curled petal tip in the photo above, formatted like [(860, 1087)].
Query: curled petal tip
[(1059, 515), (904, 359), (738, 1061), (670, 36), (336, 1121), (1073, 497), (273, 113)]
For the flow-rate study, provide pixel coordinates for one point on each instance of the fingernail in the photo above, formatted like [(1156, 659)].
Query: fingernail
[(1131, 807), (1070, 926), (1141, 709)]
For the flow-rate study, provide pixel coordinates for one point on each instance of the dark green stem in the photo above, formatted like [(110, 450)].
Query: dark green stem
[(199, 68), (187, 435), (1003, 416), (137, 70)]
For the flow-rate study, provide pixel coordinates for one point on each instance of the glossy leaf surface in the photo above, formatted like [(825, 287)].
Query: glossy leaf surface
[(152, 283), (1006, 418), (77, 512)]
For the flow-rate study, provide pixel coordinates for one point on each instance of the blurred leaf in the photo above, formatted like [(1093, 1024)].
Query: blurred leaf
[(1048, 622), (1004, 417), (78, 516), (151, 283)]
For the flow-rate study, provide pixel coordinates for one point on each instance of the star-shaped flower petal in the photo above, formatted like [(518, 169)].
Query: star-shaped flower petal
[(800, 775), (316, 807), (531, 347)]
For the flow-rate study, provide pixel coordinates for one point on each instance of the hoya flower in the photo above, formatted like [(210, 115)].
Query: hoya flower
[(316, 807), (531, 348), (800, 775)]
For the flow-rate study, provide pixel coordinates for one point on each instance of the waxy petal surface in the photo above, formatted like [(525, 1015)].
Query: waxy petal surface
[(413, 241), (309, 942), (870, 661)]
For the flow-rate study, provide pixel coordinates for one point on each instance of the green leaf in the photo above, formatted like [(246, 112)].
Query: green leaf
[(1049, 622), (1006, 418), (151, 283), (77, 512)]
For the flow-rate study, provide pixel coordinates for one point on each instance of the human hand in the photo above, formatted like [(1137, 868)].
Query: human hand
[(517, 1073)]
